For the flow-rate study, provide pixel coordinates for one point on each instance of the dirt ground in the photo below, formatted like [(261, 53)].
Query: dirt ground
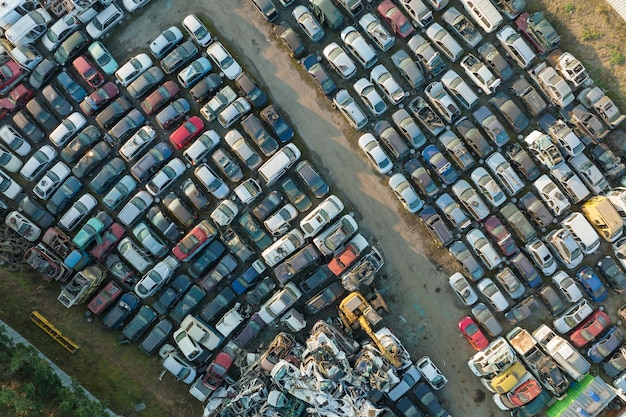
[(424, 312)]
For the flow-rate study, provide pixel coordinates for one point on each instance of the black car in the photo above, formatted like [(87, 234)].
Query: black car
[(206, 258), (179, 56), (79, 145), (151, 162), (437, 227), (63, 195), (521, 161), (42, 73), (537, 210), (129, 123), (91, 159), (295, 195), (126, 305), (25, 123), (312, 179), (140, 323), (145, 82), (108, 175), (223, 269), (71, 86), (551, 299), (217, 305), (164, 224), (613, 274), (250, 90), (70, 47), (316, 280), (407, 408), (252, 125), (324, 298), (121, 271), (206, 87), (56, 101), (315, 69), (113, 112), (36, 213), (192, 298), (268, 205), (426, 396), (172, 294), (250, 331), (514, 116), (610, 163), (260, 292), (41, 115), (157, 336)]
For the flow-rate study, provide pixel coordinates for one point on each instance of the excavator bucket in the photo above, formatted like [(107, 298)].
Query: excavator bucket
[(377, 301)]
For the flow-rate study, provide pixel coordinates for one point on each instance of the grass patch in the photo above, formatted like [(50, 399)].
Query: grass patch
[(590, 34), (616, 57), (570, 8)]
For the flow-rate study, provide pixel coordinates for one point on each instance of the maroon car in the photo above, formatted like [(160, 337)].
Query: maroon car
[(217, 370), (109, 294), (99, 98), (10, 73), (17, 98), (398, 21), (501, 235), (108, 240), (187, 132), (167, 91), (88, 71)]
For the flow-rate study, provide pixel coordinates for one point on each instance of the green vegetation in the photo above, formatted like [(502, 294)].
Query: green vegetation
[(570, 8), (616, 57), (590, 34), (30, 388)]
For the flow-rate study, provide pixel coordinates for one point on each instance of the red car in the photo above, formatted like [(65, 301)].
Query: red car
[(187, 132), (217, 370), (99, 98), (167, 91), (398, 21), (590, 328), (473, 334), (525, 393), (107, 241), (109, 294), (500, 234), (17, 98), (200, 235), (10, 73), (344, 259), (88, 71)]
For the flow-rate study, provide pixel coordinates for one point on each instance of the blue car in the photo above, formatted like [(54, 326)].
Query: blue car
[(606, 345), (592, 284), (315, 69), (71, 87), (444, 169), (248, 278)]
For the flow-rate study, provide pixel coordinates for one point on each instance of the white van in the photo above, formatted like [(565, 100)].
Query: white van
[(135, 255), (484, 13), (582, 232), (280, 162), (29, 28), (13, 10)]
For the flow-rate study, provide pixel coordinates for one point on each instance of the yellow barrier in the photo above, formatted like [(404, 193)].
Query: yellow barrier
[(53, 332)]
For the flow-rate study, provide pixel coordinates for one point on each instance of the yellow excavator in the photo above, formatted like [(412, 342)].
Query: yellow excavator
[(356, 312)]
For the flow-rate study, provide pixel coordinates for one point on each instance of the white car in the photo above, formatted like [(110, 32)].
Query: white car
[(589, 173), (9, 187), (8, 161), (483, 248), (567, 286), (279, 303), (38, 162), (358, 47), (515, 46), (307, 22), (505, 173), (385, 81), (431, 373), (542, 256), (67, 129), (370, 96), (563, 244), (488, 187), (376, 32), (166, 41), (339, 60), (191, 74), (470, 199), (150, 240), (350, 109), (320, 216), (225, 213), (565, 138), (200, 148), (59, 31), (133, 68), (177, 366), (575, 315), (137, 143), (375, 153), (214, 184), (407, 126), (187, 346), (233, 112), (492, 293), (480, 74), (14, 140), (50, 181), (104, 21), (135, 207), (459, 89), (444, 41), (417, 10), (442, 101), (77, 212), (511, 284), (197, 30), (551, 195), (154, 279), (244, 151), (279, 222), (166, 176), (570, 182), (133, 5), (405, 192), (453, 211), (463, 289), (22, 226), (224, 60)]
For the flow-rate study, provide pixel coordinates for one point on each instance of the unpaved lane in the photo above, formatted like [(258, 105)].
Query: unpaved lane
[(424, 313)]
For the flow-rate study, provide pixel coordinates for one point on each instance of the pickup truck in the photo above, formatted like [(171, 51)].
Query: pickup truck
[(552, 84), (568, 358), (569, 67), (222, 99)]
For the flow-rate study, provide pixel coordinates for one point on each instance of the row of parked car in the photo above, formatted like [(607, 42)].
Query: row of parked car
[(553, 158)]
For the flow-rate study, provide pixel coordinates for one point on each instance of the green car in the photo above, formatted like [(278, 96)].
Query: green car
[(103, 57)]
